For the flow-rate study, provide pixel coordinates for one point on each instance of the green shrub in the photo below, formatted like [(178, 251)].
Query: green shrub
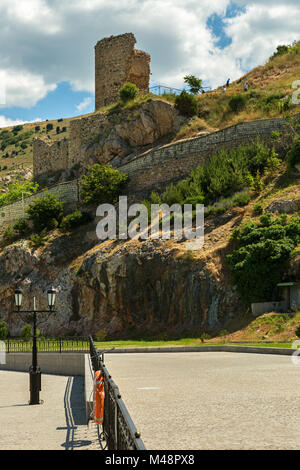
[(241, 199), (186, 104), (297, 332), (225, 173), (101, 184), (38, 239), (46, 212), (16, 190), (128, 92), (75, 219), (21, 227), (261, 254), (280, 50), (258, 183), (258, 209), (26, 333), (293, 155), (9, 236), (237, 102), (4, 333), (204, 336)]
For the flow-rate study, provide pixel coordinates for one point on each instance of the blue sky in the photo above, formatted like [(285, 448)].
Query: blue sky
[(47, 46)]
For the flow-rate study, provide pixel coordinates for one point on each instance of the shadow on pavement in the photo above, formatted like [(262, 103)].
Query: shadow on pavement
[(74, 405)]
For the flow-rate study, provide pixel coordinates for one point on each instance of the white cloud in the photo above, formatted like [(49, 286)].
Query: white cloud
[(21, 88), (7, 122), (84, 104)]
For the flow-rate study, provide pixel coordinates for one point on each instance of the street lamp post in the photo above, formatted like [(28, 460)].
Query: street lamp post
[(34, 370)]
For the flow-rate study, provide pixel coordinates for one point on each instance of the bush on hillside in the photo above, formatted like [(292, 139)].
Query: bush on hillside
[(21, 227), (128, 92), (293, 155), (261, 254), (101, 184), (46, 212), (16, 190), (186, 104), (280, 50), (225, 173), (237, 102), (75, 220)]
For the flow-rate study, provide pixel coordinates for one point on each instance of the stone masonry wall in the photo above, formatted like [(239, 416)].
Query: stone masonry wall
[(82, 132), (157, 168), (49, 157), (116, 62), (68, 192)]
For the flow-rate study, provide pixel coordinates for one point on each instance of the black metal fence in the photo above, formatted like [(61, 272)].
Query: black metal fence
[(57, 345), (118, 428)]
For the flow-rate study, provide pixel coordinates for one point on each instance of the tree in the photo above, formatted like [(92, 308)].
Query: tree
[(102, 184), (46, 212), (194, 83)]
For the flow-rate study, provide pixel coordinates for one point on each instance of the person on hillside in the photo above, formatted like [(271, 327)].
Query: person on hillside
[(246, 86), (224, 89), (228, 82)]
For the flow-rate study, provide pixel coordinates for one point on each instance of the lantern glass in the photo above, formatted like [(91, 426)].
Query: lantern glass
[(18, 297), (51, 298)]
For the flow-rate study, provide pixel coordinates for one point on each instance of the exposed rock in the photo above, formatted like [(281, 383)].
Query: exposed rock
[(117, 289), (284, 206), (154, 120)]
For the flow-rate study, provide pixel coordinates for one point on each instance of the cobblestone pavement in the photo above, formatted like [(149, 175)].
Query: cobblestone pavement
[(57, 424), (210, 400)]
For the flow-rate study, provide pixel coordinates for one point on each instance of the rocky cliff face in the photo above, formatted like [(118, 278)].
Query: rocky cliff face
[(120, 288), (120, 141)]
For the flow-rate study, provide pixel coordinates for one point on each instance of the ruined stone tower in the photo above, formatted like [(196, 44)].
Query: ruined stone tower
[(118, 62)]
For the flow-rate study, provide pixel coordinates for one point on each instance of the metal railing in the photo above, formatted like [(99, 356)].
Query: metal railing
[(163, 89), (118, 428), (58, 345)]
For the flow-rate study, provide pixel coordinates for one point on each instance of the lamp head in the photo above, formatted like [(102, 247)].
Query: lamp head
[(18, 298), (51, 298)]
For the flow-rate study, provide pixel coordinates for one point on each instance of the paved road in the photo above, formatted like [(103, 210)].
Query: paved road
[(211, 400), (57, 424)]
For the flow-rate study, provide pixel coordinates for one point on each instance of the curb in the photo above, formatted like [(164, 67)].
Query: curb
[(240, 349)]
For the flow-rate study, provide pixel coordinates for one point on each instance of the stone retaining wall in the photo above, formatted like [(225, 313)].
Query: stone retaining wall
[(68, 192), (157, 168)]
